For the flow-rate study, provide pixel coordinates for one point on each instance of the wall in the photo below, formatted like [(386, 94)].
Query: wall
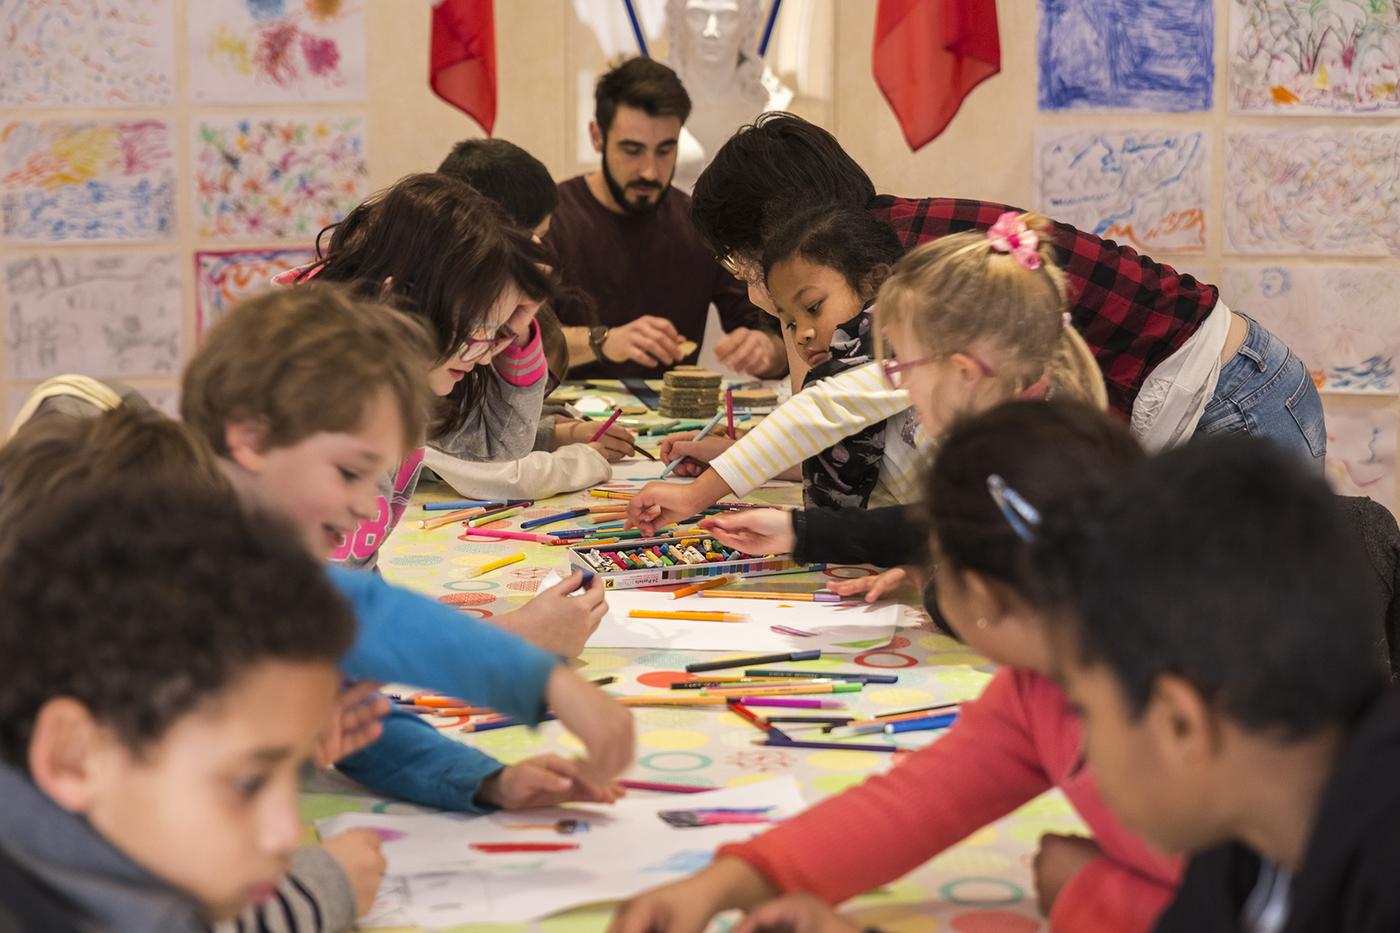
[(987, 151)]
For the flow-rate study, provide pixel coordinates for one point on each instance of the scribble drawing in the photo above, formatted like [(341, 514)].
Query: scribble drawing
[(1332, 191), (1126, 54), (276, 51), (1341, 320), (101, 315), (95, 53), (1339, 57), (225, 277), (1361, 452), (277, 177), (1147, 189), (86, 181)]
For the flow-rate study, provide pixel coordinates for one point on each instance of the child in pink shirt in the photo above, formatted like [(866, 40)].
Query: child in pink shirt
[(1018, 740)]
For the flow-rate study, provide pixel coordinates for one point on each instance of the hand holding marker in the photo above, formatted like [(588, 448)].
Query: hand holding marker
[(704, 432)]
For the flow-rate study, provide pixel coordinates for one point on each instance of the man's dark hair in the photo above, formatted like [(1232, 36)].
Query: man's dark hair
[(779, 158), (143, 599), (642, 83), (1228, 565), (506, 174)]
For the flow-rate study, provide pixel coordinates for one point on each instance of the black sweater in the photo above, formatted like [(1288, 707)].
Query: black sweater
[(1347, 880)]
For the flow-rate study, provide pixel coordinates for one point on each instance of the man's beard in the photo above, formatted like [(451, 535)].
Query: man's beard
[(620, 194)]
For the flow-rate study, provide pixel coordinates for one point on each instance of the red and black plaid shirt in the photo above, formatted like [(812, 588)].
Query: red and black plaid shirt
[(1132, 312)]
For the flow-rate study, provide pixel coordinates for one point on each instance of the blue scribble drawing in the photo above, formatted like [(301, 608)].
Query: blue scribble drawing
[(103, 315), (86, 181), (1341, 320), (682, 863), (1147, 189), (1374, 374), (1361, 452), (1126, 54)]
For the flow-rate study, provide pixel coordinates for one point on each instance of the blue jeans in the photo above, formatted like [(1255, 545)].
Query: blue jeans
[(1266, 391)]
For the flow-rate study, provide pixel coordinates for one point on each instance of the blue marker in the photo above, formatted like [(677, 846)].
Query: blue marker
[(551, 519), (922, 725), (699, 437)]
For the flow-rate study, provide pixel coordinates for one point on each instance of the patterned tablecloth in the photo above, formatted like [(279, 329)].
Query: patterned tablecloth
[(982, 885)]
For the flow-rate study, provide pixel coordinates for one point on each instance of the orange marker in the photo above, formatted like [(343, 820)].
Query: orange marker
[(697, 587), (687, 616)]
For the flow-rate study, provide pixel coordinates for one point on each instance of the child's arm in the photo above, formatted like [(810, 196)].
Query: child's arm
[(985, 767), (1106, 895), (315, 897), (537, 475), (406, 637), (885, 536), (412, 762), (505, 423), (808, 423)]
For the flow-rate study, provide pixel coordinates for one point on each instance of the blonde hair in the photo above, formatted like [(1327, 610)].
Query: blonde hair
[(958, 292)]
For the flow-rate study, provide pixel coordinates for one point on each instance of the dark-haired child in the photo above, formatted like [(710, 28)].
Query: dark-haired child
[(441, 251), (163, 692), (824, 267), (1016, 741), (565, 457), (1216, 630)]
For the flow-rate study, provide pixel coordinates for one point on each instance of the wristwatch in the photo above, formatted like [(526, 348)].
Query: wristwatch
[(596, 336)]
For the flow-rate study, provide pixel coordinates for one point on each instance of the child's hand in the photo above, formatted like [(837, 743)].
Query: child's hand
[(1057, 861), (357, 852), (754, 531), (657, 504), (616, 438), (751, 352), (556, 621), (688, 905), (543, 781), (698, 453), (797, 913), (356, 722), (879, 585), (602, 724)]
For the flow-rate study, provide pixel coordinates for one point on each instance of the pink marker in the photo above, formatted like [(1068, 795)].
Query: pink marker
[(512, 535), (790, 703)]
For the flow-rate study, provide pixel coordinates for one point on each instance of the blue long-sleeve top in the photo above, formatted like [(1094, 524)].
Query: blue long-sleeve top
[(409, 638)]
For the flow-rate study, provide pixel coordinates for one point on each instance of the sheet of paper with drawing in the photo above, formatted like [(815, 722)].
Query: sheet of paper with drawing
[(449, 869), (834, 628)]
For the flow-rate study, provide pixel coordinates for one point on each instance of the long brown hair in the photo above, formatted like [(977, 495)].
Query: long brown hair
[(447, 252)]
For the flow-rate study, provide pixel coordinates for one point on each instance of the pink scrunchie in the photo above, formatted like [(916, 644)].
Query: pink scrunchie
[(1011, 235)]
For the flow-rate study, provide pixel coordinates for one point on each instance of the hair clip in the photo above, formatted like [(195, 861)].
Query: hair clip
[(1023, 517), (1011, 235)]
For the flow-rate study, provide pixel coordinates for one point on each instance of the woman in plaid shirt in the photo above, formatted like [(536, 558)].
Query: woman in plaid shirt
[(1175, 360)]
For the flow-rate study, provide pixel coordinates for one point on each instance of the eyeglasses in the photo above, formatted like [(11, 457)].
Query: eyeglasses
[(742, 268), (485, 342), (893, 370), (1023, 517)]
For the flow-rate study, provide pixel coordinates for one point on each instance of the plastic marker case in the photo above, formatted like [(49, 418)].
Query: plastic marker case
[(746, 566)]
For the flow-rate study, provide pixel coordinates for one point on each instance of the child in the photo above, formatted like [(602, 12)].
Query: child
[(444, 253), (1216, 633), (564, 457), (1015, 742), (307, 397), (823, 268), (163, 691), (1000, 332)]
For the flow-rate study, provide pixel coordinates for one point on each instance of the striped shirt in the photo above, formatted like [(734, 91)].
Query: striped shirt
[(819, 416)]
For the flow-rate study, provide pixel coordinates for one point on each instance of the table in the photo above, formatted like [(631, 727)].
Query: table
[(982, 885)]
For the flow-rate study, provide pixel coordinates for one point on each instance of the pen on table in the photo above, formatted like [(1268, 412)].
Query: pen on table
[(496, 565), (704, 432), (617, 413), (750, 661), (686, 616), (729, 410), (551, 519)]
